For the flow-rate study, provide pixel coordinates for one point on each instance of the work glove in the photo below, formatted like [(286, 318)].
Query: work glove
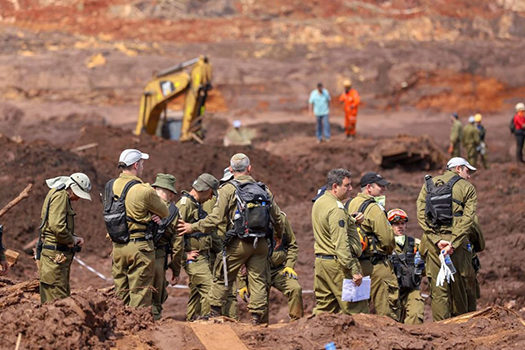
[(244, 293), (444, 272), (289, 272)]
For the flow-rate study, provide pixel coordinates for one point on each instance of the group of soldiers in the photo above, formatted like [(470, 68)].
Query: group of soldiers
[(358, 237), (232, 238), (206, 232), (471, 137)]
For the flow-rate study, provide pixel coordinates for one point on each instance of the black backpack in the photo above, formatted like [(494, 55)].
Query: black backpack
[(159, 230), (512, 126), (438, 202), (115, 212), (252, 215)]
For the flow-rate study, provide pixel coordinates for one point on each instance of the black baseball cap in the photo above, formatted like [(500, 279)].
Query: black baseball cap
[(373, 178)]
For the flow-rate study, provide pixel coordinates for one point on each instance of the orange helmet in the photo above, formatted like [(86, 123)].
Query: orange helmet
[(396, 215)]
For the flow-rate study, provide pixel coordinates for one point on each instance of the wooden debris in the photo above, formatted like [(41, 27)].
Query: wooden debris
[(24, 194)]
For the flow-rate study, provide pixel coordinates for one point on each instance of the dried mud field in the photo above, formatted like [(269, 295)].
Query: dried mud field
[(72, 72)]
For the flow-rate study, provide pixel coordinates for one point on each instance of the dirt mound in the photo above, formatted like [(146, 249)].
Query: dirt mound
[(87, 319), (494, 327)]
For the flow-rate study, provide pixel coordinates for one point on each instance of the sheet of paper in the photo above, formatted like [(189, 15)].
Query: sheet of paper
[(354, 293)]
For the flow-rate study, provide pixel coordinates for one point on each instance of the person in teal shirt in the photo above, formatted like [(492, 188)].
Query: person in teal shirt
[(319, 106)]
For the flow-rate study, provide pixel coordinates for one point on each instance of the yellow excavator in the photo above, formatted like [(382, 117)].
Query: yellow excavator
[(166, 86)]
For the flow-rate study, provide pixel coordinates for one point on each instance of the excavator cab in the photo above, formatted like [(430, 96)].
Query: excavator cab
[(166, 86)]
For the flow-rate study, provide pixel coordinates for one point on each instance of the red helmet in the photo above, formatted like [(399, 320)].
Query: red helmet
[(396, 215)]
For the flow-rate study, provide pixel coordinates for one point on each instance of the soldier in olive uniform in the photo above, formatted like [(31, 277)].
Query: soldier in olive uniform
[(454, 148), (450, 299), (58, 241), (133, 267), (282, 275), (377, 231), (408, 270), (477, 244), (471, 141), (197, 245), (167, 244), (252, 252), (337, 247)]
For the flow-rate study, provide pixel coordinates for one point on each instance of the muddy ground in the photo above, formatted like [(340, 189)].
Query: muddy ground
[(413, 62)]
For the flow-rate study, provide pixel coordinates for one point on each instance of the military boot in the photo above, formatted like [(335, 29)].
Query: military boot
[(215, 311), (256, 319)]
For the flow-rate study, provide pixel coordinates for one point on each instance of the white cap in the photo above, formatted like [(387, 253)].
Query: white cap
[(131, 156), (471, 119), (458, 161), (81, 186), (237, 123), (520, 107)]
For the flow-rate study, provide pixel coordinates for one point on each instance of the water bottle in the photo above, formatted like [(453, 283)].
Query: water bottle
[(449, 263), (330, 346), (418, 263), (469, 247), (237, 215)]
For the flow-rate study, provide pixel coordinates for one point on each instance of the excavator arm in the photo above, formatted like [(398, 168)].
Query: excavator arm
[(169, 84)]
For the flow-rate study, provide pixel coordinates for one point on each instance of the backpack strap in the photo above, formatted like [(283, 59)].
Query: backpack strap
[(410, 245), (451, 184), (173, 212)]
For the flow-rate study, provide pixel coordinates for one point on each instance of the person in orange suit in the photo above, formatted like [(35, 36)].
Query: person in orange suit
[(351, 101)]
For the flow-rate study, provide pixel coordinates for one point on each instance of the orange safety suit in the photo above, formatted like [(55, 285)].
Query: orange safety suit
[(351, 102)]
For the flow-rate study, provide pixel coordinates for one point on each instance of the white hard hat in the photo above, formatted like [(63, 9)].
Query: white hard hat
[(471, 119), (81, 185), (237, 124), (520, 107)]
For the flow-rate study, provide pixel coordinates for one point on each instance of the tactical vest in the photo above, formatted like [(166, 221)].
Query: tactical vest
[(404, 267), (160, 230), (371, 238), (201, 214)]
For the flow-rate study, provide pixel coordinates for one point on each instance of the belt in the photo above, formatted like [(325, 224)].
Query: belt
[(139, 239), (363, 258), (59, 247), (327, 257)]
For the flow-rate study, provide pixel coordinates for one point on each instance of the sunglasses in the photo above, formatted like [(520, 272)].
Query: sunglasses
[(398, 219)]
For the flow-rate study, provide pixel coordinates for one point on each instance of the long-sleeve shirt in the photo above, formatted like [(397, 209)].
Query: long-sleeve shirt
[(335, 232), (59, 226), (286, 254), (462, 191)]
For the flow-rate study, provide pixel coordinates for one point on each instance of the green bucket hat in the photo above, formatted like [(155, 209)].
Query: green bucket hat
[(166, 181), (205, 182)]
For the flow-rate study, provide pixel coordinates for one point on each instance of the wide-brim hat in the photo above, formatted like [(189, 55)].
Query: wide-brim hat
[(166, 181)]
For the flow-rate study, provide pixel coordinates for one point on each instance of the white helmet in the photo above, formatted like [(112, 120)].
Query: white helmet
[(81, 185), (520, 107)]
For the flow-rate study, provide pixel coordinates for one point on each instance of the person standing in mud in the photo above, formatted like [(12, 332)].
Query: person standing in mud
[(58, 242), (240, 249), (409, 267), (449, 235), (350, 99), (167, 244), (319, 107), (379, 235), (456, 132), (471, 141), (518, 123), (197, 245), (133, 267), (337, 247)]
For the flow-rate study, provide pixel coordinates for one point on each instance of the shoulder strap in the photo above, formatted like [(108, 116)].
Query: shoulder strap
[(410, 245), (429, 183), (46, 213), (365, 205), (174, 211), (451, 184), (126, 189)]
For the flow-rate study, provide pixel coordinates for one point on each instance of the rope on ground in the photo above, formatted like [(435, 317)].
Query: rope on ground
[(107, 279)]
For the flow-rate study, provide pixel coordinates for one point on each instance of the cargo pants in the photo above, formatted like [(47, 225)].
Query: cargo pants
[(291, 288), (452, 298), (54, 276), (133, 271), (411, 306), (328, 289), (200, 284), (242, 252), (160, 293), (384, 290)]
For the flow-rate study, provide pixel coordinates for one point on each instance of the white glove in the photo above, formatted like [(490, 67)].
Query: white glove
[(444, 272)]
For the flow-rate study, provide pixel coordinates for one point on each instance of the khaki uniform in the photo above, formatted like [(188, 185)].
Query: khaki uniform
[(384, 290), (168, 245), (450, 299), (133, 267), (411, 303), (229, 309), (337, 249), (471, 142), (286, 256), (57, 235), (455, 138), (240, 251), (199, 272)]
